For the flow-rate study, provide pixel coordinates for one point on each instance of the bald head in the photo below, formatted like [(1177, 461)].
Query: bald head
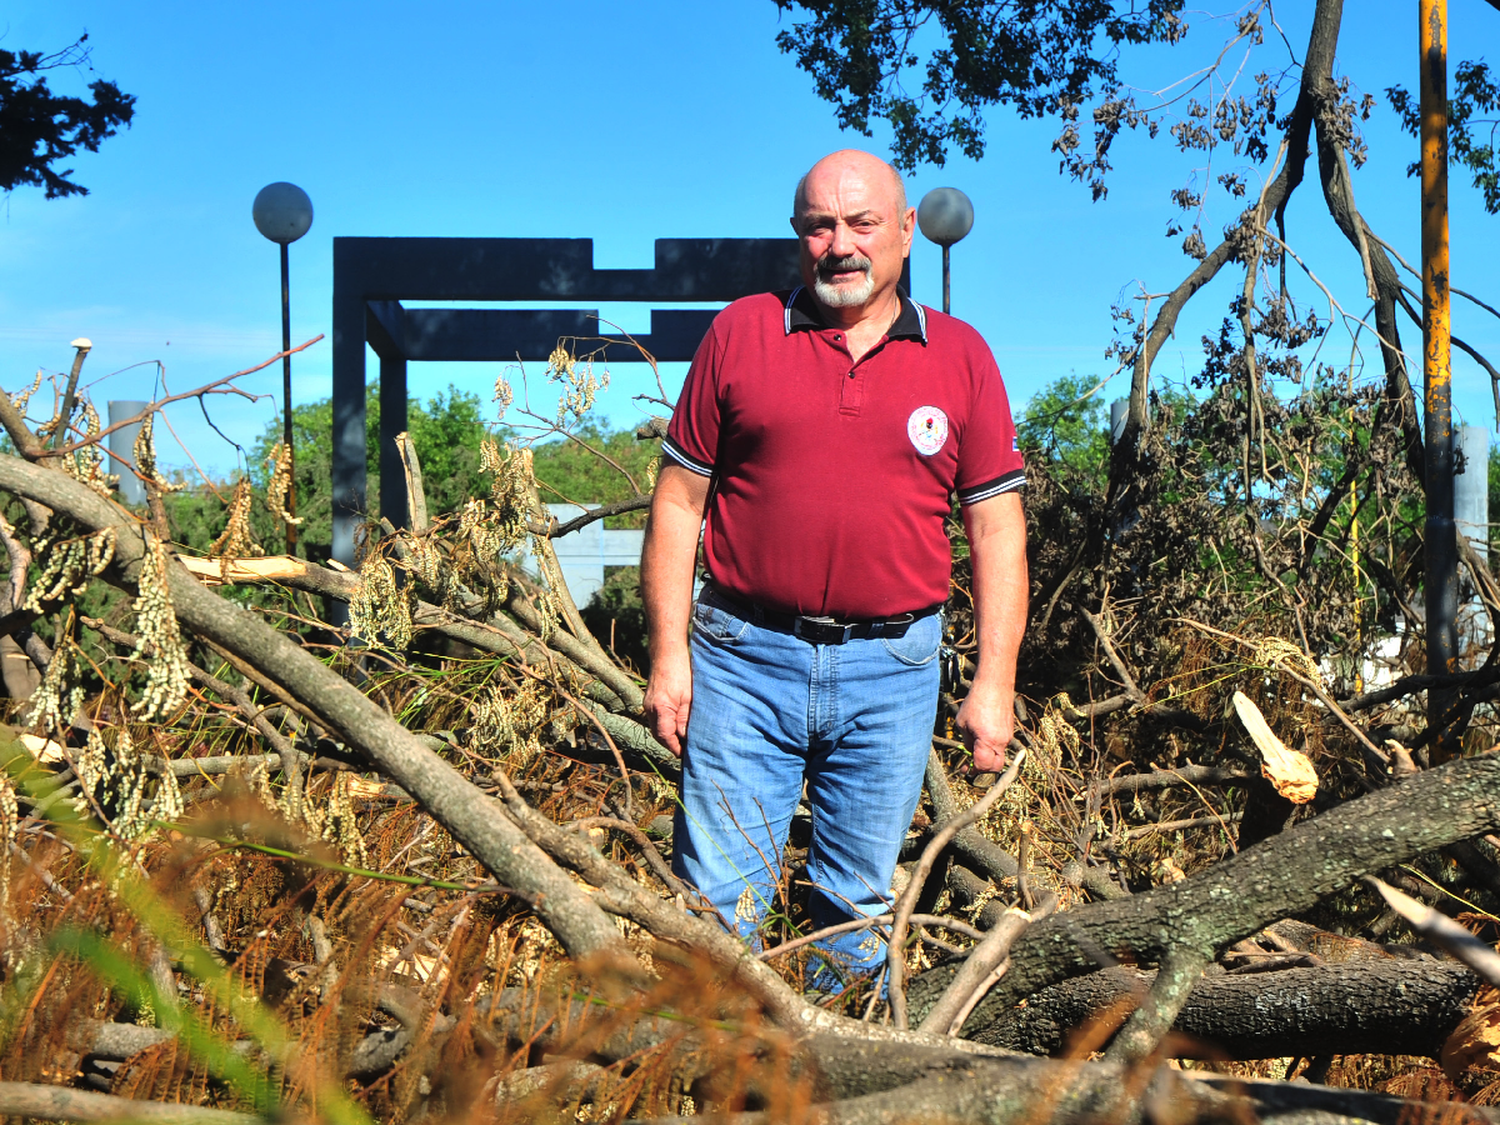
[(850, 160)]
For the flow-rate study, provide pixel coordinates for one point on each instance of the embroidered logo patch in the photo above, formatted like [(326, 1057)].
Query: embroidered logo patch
[(928, 429)]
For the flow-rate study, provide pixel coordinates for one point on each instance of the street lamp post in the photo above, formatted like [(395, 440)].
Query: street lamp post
[(284, 213), (945, 216)]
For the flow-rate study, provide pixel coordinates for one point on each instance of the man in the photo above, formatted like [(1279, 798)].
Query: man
[(823, 432)]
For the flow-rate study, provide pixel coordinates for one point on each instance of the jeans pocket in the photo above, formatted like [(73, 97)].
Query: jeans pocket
[(717, 625), (920, 644)]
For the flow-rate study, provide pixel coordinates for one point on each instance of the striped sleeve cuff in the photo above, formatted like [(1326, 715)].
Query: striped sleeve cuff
[(672, 450), (1010, 482)]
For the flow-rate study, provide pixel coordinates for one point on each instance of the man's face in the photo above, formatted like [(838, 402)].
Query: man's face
[(854, 232)]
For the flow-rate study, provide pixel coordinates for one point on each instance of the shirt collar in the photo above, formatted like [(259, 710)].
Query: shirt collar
[(802, 311)]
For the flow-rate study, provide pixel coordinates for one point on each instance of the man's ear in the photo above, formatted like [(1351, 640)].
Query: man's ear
[(793, 221)]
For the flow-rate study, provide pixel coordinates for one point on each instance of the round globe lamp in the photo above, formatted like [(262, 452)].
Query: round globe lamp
[(945, 216)]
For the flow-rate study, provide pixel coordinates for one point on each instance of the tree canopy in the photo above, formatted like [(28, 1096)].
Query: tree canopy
[(40, 128), (1035, 56)]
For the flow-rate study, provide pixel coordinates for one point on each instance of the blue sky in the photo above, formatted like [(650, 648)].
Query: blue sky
[(620, 122)]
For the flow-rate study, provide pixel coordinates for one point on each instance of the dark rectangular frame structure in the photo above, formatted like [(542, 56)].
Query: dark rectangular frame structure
[(372, 276)]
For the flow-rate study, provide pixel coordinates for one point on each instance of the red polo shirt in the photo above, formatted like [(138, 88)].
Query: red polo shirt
[(832, 479)]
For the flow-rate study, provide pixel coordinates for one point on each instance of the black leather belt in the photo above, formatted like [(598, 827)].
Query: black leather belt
[(816, 630)]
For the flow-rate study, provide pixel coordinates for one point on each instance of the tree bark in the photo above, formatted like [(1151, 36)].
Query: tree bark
[(1239, 896), (58, 1103), (1386, 1006)]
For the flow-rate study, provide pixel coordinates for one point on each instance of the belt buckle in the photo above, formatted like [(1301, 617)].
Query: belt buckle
[(827, 632)]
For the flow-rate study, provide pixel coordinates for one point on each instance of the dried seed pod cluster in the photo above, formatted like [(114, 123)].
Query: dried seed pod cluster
[(69, 565), (160, 641)]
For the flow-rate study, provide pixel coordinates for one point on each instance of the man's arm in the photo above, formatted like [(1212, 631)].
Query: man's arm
[(997, 547), (667, 561)]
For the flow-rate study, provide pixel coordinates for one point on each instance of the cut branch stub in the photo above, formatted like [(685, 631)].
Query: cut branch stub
[(1288, 770)]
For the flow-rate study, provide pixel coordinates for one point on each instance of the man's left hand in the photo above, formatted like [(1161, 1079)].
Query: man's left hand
[(986, 720)]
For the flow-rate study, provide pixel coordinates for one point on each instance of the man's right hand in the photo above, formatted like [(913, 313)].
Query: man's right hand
[(669, 697), (667, 590)]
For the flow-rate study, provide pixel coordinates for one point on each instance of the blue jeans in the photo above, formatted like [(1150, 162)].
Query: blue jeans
[(770, 711)]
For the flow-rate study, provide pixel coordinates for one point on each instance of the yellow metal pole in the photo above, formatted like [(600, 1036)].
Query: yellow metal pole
[(1440, 548)]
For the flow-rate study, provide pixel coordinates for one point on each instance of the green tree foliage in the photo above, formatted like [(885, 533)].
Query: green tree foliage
[(1494, 498), (1470, 144), (1035, 56), (1066, 423), (39, 128)]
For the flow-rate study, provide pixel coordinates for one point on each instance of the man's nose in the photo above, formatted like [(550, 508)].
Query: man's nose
[(843, 241)]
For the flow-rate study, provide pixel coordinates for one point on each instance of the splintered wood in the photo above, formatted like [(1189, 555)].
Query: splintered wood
[(1289, 771), (227, 571)]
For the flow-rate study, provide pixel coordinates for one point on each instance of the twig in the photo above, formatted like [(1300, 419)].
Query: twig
[(1215, 821), (613, 749), (207, 388), (984, 967), (19, 432), (83, 347), (41, 873), (554, 530), (1474, 354), (1023, 866), (1132, 689), (854, 925), (265, 682), (895, 955), (987, 857), (289, 758), (212, 930), (416, 494), (1184, 775), (1307, 682), (1418, 273), (551, 569)]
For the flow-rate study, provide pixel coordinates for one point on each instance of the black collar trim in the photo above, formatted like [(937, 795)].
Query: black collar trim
[(802, 311)]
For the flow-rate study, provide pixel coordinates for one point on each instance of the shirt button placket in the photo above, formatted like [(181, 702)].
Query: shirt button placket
[(852, 393)]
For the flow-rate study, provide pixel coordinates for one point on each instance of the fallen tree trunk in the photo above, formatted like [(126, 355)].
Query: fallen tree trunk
[(890, 1078), (1241, 895), (1384, 1007), (57, 1103), (492, 834), (474, 819), (989, 1091)]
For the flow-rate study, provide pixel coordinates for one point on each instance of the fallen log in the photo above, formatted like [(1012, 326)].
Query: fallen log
[(58, 1103), (1239, 896), (1384, 1006), (472, 818)]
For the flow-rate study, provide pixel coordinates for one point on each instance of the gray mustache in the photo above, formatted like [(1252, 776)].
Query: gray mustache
[(843, 265)]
